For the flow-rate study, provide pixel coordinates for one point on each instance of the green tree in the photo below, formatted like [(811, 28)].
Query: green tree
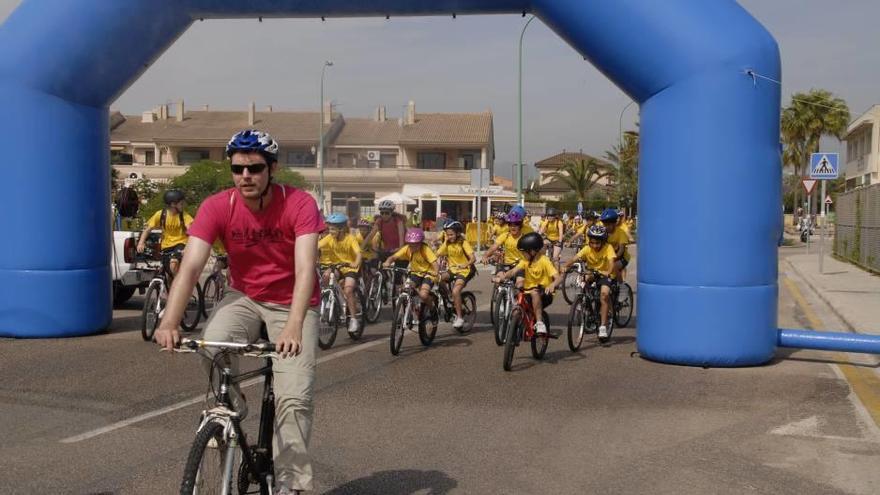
[(804, 122), (626, 159), (207, 177), (582, 175)]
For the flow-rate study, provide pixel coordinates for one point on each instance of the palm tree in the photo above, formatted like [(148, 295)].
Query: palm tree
[(581, 175), (809, 117), (626, 160)]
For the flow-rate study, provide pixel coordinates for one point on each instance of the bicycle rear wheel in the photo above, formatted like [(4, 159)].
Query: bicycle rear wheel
[(398, 326), (539, 343), (206, 466), (576, 324), (194, 308), (512, 336), (469, 311), (570, 287), (150, 314), (358, 314), (623, 306), (373, 304), (329, 323)]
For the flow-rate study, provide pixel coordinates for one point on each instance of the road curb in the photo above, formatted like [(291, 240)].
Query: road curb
[(849, 326)]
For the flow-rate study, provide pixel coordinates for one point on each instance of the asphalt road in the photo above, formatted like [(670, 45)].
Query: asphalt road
[(448, 420)]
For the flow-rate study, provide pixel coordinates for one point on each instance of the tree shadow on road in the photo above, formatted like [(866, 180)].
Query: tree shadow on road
[(398, 482)]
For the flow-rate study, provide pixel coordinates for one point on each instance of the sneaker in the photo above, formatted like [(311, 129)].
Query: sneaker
[(352, 325), (540, 328), (458, 323), (283, 490), (603, 332)]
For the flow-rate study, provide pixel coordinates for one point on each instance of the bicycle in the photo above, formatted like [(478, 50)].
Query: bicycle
[(570, 287), (446, 307), (521, 327), (409, 312), (381, 291), (585, 316), (219, 437), (504, 293), (215, 285), (334, 310), (157, 297)]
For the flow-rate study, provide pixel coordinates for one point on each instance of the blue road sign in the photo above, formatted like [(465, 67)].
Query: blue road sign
[(580, 208), (824, 165)]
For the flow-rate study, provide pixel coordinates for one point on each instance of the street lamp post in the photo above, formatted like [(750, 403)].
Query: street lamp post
[(320, 163), (519, 117), (620, 150)]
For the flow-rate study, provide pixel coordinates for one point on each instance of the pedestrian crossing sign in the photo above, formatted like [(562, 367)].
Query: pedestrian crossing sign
[(824, 165)]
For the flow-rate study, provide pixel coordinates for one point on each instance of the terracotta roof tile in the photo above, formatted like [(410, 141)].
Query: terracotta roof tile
[(368, 132), (448, 128)]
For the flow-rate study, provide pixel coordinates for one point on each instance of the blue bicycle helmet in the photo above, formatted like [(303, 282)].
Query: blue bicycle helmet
[(337, 219), (518, 209), (253, 140), (597, 232), (609, 215)]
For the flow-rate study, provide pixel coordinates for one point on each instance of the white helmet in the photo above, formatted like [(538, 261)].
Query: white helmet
[(386, 204)]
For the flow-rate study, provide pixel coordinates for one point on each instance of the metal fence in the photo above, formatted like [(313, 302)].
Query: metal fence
[(857, 230)]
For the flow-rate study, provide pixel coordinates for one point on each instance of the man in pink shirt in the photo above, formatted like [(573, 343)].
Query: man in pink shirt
[(270, 232)]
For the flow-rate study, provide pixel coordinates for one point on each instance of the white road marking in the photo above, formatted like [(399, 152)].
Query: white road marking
[(195, 400)]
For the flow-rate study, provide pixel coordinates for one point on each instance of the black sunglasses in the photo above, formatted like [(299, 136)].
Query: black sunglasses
[(384, 212), (253, 168)]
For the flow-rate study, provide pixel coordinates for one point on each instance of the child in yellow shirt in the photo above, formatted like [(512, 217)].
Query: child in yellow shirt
[(460, 261), (599, 257), (540, 275)]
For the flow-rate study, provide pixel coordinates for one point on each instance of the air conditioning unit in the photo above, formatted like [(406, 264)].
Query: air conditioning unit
[(373, 156)]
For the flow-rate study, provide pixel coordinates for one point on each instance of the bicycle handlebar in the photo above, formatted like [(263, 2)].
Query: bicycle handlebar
[(262, 349)]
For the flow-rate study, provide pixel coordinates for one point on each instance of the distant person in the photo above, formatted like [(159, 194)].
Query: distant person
[(391, 225), (173, 222)]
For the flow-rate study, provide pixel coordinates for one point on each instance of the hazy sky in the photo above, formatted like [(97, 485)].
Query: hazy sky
[(469, 65)]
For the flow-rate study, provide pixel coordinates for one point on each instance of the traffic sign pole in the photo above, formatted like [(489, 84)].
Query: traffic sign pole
[(822, 229)]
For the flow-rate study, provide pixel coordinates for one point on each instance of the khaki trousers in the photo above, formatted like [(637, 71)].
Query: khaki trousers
[(238, 319)]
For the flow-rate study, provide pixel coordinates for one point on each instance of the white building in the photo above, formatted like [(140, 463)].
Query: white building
[(862, 138)]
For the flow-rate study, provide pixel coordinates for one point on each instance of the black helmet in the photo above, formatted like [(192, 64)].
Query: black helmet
[(454, 225), (551, 212), (530, 242), (173, 196)]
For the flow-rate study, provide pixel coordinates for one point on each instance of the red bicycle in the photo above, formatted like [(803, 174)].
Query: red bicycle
[(521, 327)]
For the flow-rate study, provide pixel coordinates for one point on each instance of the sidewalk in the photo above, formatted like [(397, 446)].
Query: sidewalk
[(852, 293)]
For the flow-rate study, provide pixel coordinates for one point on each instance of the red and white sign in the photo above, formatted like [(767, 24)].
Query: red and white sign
[(828, 200), (809, 184)]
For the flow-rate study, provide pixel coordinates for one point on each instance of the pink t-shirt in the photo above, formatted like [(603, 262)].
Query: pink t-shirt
[(260, 244)]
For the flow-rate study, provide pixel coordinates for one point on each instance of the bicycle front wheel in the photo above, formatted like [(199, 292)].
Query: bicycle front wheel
[(329, 323), (374, 299), (623, 306), (193, 311), (469, 311), (207, 468), (358, 314), (494, 302), (512, 336), (576, 324), (213, 293), (398, 326), (150, 315), (427, 325), (570, 285)]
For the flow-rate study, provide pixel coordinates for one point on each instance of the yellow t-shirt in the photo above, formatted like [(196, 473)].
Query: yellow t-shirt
[(540, 272), (617, 239), (421, 262), (498, 229), (173, 233), (368, 252), (553, 230), (457, 253), (339, 251), (512, 254), (602, 260)]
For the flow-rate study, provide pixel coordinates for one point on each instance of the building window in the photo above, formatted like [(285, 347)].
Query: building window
[(347, 160), (429, 160), (388, 160), (187, 157), (301, 158), (121, 158), (149, 157), (468, 160)]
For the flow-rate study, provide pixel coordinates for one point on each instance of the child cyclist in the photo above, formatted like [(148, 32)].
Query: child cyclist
[(460, 261), (618, 239), (541, 276), (369, 250), (339, 246), (599, 257), (508, 242), (423, 266)]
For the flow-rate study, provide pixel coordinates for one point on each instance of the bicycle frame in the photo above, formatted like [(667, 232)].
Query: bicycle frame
[(523, 301)]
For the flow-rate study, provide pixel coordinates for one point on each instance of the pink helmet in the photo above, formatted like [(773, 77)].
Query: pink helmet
[(414, 235)]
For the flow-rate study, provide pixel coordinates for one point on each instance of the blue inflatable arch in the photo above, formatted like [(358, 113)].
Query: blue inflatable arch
[(707, 252)]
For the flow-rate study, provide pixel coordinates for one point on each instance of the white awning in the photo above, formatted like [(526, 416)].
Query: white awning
[(456, 192)]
